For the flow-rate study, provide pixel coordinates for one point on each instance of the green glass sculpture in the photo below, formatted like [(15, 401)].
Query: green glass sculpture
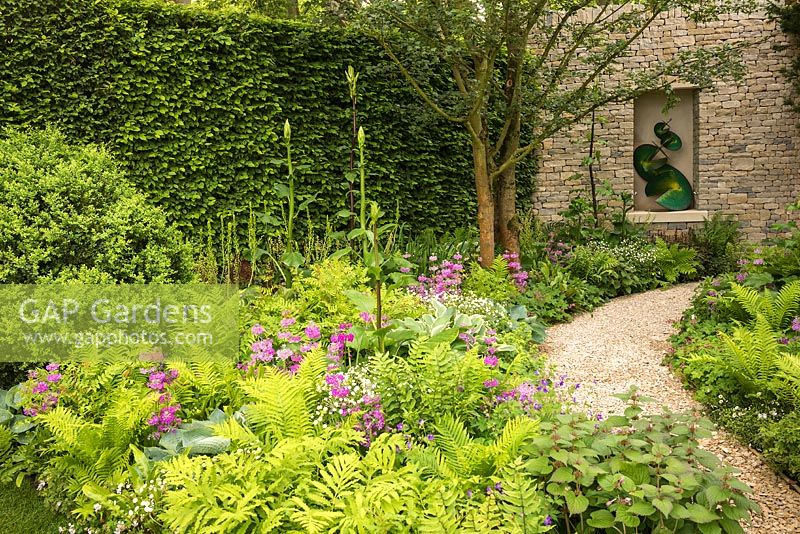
[(664, 181)]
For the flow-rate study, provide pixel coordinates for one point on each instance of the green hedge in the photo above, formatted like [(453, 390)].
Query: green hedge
[(193, 103)]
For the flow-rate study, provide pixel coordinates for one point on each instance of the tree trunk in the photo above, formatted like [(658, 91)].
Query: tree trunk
[(292, 9), (483, 188), (506, 220)]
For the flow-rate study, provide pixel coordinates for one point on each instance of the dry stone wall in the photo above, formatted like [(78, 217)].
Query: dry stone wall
[(746, 136)]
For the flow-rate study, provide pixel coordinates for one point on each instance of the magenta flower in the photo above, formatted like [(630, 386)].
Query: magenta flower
[(40, 387), (491, 361), (286, 322), (758, 261), (55, 377), (340, 391), (284, 354), (312, 331), (366, 317), (741, 277), (257, 329), (52, 367), (491, 383)]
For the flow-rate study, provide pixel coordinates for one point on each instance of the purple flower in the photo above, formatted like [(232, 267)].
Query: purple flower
[(796, 324), (55, 377), (313, 331), (741, 277), (758, 261), (399, 426), (430, 437), (340, 391), (52, 367), (334, 379), (491, 361), (285, 354), (491, 383), (405, 269), (366, 317), (286, 322), (40, 387), (548, 521), (257, 329)]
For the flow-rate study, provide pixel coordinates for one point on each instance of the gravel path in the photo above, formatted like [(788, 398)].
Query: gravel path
[(622, 344)]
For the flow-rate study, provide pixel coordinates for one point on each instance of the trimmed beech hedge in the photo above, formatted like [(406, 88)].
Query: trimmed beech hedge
[(193, 103)]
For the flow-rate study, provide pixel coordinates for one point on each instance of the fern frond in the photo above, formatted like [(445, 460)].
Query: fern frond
[(752, 355), (64, 424), (280, 411), (452, 439), (786, 304), (515, 433), (749, 299)]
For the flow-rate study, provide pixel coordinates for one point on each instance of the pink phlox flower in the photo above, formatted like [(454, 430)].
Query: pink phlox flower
[(257, 329), (312, 331)]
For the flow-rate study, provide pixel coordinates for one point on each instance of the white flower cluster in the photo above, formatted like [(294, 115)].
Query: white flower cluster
[(360, 387), (640, 257), (494, 313)]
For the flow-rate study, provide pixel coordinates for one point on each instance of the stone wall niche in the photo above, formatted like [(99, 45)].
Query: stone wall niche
[(681, 121)]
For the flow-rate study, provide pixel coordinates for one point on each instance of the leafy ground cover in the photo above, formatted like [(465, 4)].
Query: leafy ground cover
[(737, 347), (383, 384), (441, 418)]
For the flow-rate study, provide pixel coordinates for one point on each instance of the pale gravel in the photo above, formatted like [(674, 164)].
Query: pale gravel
[(623, 344)]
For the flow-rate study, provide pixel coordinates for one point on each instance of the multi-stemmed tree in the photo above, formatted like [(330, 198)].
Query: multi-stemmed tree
[(522, 70)]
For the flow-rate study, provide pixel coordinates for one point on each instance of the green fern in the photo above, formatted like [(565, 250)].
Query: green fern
[(521, 504), (777, 308), (98, 453), (755, 358), (676, 261)]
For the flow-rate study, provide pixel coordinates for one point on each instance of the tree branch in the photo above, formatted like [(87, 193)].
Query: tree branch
[(413, 82)]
